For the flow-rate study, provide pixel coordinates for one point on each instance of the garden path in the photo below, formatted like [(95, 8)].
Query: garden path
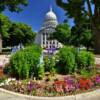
[(4, 96)]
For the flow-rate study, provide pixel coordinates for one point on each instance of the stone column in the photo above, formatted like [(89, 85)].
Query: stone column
[(41, 40), (45, 40)]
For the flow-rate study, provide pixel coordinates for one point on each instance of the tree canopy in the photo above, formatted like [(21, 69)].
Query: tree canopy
[(81, 11), (20, 33), (14, 33), (5, 24), (62, 33), (67, 36), (12, 5)]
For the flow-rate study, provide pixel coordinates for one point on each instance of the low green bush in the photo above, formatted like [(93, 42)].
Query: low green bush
[(52, 64), (85, 60), (46, 63), (67, 63), (72, 60), (86, 73), (24, 62), (40, 71), (49, 64)]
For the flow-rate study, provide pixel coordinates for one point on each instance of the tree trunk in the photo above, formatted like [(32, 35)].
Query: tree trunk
[(97, 41)]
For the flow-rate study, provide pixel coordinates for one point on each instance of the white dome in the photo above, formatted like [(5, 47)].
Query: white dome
[(50, 20), (50, 15)]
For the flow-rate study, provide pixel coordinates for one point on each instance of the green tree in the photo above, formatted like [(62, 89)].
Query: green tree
[(87, 39), (62, 34), (12, 5), (5, 24), (68, 36), (20, 33), (80, 11), (82, 37)]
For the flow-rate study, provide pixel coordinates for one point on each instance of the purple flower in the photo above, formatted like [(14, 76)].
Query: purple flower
[(30, 86), (98, 79), (69, 84), (77, 85)]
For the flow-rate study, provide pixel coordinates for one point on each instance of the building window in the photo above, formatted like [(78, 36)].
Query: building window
[(50, 42), (53, 42)]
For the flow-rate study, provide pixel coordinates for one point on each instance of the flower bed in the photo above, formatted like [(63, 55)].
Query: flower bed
[(66, 86)]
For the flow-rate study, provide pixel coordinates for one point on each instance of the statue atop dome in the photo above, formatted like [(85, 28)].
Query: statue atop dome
[(50, 8), (50, 15)]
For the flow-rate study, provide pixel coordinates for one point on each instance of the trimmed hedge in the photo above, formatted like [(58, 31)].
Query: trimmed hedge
[(24, 62), (67, 62), (72, 60)]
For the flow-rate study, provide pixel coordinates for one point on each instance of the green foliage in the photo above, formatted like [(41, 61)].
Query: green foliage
[(49, 64), (85, 60), (68, 36), (46, 63), (24, 62), (52, 68), (12, 5), (62, 33), (82, 14), (15, 33), (5, 24), (67, 63), (87, 38), (40, 72), (20, 33), (2, 79), (82, 36), (85, 73), (72, 60)]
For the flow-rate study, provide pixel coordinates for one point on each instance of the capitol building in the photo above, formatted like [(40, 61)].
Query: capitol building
[(48, 27)]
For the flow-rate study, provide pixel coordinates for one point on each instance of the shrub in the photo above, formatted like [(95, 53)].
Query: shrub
[(85, 73), (67, 63), (85, 60), (40, 72), (50, 64), (70, 59), (52, 68), (46, 63), (24, 62)]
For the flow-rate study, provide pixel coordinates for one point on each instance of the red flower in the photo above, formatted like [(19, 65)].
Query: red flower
[(85, 83), (58, 85)]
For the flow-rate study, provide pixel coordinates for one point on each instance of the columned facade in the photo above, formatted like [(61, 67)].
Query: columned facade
[(48, 28)]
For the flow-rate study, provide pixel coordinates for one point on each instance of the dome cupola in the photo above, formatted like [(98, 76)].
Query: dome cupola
[(50, 20), (50, 15)]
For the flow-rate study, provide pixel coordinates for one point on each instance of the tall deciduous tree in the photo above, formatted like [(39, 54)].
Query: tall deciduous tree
[(62, 34), (5, 24), (12, 5), (80, 11), (67, 36), (20, 33)]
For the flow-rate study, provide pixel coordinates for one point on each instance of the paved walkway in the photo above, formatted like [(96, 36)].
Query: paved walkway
[(7, 95), (4, 96)]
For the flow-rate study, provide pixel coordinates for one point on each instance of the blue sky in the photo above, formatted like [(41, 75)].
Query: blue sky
[(34, 13)]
